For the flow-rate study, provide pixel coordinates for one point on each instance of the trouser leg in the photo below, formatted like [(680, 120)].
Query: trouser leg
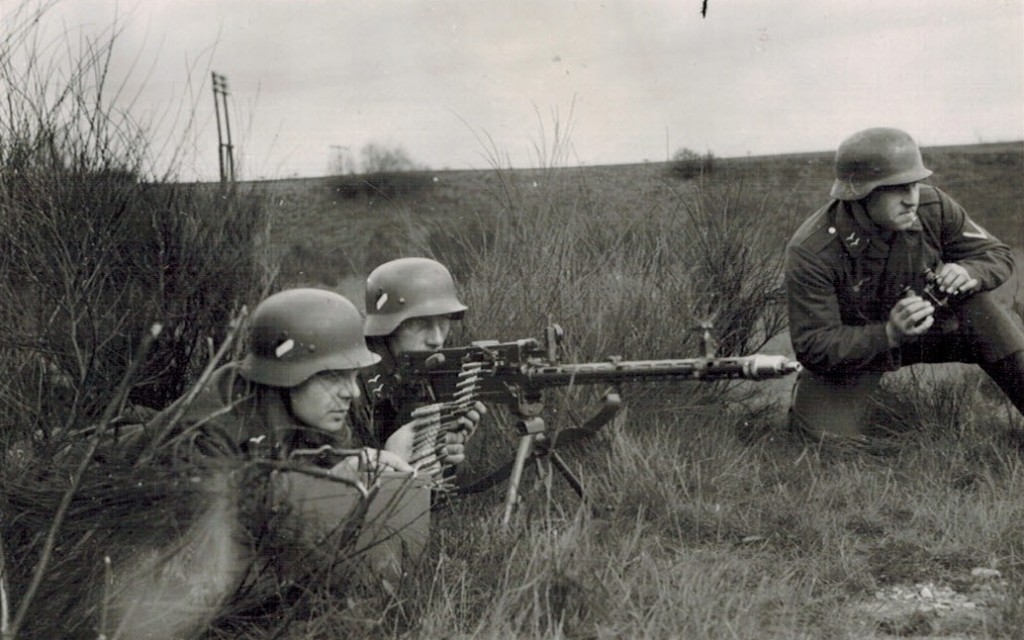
[(989, 334), (1008, 373), (999, 342), (993, 329), (834, 405)]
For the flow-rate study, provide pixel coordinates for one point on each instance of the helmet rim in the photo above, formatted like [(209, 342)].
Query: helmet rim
[(408, 288), (849, 190), (296, 333), (275, 373), (376, 326), (877, 157)]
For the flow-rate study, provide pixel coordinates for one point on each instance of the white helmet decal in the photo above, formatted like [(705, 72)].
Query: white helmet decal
[(284, 347)]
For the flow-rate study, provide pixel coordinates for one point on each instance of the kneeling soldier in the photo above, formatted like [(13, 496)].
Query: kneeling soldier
[(891, 272)]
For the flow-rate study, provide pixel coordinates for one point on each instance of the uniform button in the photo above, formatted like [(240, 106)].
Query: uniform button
[(832, 230)]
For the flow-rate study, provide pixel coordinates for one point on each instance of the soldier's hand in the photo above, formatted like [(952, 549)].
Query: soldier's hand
[(471, 419), (911, 316), (955, 279), (373, 460), (448, 447), (452, 448)]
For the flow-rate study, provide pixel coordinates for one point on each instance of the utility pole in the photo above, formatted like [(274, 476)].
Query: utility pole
[(225, 149), (339, 159)]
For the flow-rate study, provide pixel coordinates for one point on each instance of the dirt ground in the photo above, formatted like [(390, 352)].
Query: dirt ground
[(960, 610)]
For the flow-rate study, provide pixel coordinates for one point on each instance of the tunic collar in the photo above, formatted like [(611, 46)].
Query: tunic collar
[(858, 232)]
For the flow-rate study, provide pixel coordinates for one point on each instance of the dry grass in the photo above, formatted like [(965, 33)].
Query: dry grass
[(700, 534)]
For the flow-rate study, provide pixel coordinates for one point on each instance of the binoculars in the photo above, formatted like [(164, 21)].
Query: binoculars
[(930, 291)]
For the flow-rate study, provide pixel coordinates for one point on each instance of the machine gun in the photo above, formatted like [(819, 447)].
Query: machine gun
[(516, 373)]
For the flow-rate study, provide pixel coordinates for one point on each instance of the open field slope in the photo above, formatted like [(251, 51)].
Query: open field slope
[(324, 232)]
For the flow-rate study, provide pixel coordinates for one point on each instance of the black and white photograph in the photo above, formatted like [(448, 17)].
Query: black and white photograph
[(511, 319)]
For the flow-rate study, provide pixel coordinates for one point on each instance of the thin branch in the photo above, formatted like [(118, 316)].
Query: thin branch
[(76, 479), (190, 397)]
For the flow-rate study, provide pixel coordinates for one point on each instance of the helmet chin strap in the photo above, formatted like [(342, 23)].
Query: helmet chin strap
[(286, 402), (381, 345)]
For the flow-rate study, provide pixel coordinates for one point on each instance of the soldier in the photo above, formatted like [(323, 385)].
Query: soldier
[(295, 386), (891, 272), (288, 398), (410, 305)]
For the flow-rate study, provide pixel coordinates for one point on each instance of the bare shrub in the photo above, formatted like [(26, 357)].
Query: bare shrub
[(378, 158), (93, 252), (387, 172), (737, 271), (385, 184)]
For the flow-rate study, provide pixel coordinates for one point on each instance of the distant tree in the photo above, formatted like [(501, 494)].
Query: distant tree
[(381, 159), (387, 172), (687, 163), (341, 161)]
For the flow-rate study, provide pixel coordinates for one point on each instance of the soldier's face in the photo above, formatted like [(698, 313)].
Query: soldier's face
[(322, 402), (894, 207), (426, 333)]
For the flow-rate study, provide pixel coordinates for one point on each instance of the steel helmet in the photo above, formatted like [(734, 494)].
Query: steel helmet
[(297, 333), (408, 288), (876, 158)]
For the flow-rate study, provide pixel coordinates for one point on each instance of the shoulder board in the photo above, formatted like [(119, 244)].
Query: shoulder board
[(929, 195), (932, 207), (817, 232)]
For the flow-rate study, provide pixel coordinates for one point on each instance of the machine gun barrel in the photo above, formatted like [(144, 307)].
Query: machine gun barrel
[(513, 371), (754, 367)]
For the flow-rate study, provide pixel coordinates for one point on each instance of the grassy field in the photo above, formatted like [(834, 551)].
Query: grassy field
[(711, 520), (323, 236)]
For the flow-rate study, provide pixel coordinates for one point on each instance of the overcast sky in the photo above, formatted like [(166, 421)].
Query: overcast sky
[(634, 80)]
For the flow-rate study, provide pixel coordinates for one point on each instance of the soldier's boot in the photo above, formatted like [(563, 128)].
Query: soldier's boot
[(1008, 373)]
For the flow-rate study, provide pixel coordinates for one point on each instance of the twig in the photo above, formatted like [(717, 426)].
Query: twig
[(5, 613), (190, 397), (76, 479)]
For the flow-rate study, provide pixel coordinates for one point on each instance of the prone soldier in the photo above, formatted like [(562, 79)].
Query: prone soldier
[(295, 385), (410, 305), (284, 406)]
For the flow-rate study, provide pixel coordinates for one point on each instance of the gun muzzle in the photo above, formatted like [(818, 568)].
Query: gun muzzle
[(760, 367)]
